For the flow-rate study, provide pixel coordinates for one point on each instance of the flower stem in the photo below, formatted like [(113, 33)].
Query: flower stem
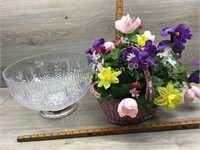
[(188, 85)]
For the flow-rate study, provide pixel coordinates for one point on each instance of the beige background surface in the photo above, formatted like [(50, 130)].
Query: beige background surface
[(30, 27)]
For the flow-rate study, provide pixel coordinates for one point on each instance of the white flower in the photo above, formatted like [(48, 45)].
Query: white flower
[(95, 56), (167, 57), (109, 46), (124, 40), (171, 62), (149, 35), (130, 56), (100, 66), (134, 93), (166, 53)]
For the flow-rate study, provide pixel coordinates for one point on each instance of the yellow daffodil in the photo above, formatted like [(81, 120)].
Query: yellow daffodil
[(170, 97), (108, 76), (142, 39)]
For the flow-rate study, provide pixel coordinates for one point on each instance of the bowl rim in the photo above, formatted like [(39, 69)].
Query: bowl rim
[(33, 56)]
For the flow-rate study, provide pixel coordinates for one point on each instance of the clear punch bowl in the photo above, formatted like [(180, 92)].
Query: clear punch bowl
[(51, 83)]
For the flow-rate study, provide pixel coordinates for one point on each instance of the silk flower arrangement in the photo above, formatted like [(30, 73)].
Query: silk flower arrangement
[(120, 67)]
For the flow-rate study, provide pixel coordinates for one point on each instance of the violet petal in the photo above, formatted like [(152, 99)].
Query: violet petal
[(163, 44), (194, 77), (196, 63)]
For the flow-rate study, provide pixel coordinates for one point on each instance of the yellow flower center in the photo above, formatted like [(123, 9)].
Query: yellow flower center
[(108, 76), (177, 33), (171, 96)]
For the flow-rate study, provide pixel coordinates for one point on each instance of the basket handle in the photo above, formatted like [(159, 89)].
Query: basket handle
[(150, 93), (119, 13)]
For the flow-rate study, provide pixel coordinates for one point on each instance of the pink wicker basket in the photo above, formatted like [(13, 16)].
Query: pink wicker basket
[(110, 106)]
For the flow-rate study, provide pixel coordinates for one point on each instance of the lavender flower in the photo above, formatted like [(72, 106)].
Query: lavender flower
[(179, 35), (98, 48), (126, 53), (195, 76), (143, 56), (89, 51), (98, 42)]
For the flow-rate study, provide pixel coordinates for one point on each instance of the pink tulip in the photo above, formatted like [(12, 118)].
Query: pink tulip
[(189, 96), (196, 90), (128, 107), (127, 24)]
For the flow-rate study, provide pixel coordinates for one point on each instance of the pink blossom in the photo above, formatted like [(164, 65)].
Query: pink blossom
[(118, 41), (128, 107), (127, 24), (134, 93), (109, 46), (196, 90), (100, 67), (189, 96)]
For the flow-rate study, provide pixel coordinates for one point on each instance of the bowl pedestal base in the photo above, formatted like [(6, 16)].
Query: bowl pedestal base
[(58, 114)]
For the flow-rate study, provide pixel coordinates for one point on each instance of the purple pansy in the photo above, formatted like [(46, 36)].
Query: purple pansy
[(126, 53), (149, 47), (168, 31), (195, 76), (98, 42), (163, 44), (196, 63), (178, 49), (143, 57), (179, 35), (98, 47), (89, 59), (89, 51)]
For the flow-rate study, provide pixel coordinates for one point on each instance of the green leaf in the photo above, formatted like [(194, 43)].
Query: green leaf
[(112, 64), (134, 39), (114, 54), (183, 76), (132, 36), (157, 82), (137, 75), (105, 95), (136, 31), (120, 91), (142, 105)]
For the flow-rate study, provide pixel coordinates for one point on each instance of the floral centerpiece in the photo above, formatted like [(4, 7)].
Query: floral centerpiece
[(132, 75)]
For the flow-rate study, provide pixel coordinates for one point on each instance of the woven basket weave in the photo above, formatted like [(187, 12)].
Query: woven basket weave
[(110, 106)]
